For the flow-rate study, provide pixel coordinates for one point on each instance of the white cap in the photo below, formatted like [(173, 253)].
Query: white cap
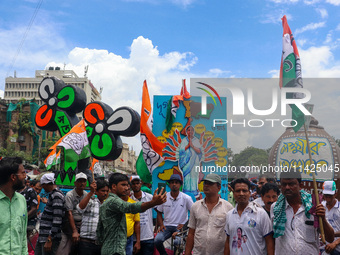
[(81, 176), (134, 177), (329, 188), (47, 178)]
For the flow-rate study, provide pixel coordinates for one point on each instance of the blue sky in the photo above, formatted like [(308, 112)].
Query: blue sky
[(164, 41)]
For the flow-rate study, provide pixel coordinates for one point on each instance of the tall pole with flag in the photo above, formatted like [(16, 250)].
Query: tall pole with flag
[(290, 71), (290, 76)]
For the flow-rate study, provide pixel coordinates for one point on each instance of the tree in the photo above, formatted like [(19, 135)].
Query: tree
[(251, 156), (230, 155), (338, 142)]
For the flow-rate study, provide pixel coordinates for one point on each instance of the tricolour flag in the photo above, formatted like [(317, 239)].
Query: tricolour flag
[(75, 143), (290, 71), (151, 146), (173, 106), (52, 159)]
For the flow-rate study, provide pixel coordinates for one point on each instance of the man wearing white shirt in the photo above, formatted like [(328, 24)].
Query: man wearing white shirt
[(175, 211), (248, 227), (207, 220), (293, 225), (146, 225), (332, 214)]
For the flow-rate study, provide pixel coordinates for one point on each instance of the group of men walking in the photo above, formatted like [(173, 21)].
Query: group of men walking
[(97, 222)]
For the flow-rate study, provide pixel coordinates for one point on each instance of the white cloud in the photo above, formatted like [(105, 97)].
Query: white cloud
[(328, 38), (216, 72), (334, 2), (311, 26), (1, 93), (319, 62), (337, 27), (310, 2), (275, 17), (274, 73), (300, 42), (323, 12)]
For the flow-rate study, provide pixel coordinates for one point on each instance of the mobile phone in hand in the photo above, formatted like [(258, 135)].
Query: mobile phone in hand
[(160, 186)]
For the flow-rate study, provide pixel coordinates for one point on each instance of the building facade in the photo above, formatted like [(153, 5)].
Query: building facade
[(126, 163), (17, 88)]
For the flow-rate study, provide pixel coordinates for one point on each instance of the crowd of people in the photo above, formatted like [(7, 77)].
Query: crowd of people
[(116, 216)]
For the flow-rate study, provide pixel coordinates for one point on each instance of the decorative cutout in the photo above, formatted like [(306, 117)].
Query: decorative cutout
[(62, 103), (105, 127)]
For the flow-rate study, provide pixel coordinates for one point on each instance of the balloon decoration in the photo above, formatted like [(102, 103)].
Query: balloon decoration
[(105, 126)]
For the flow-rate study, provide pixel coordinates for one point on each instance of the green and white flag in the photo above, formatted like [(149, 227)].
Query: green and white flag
[(75, 143), (52, 159), (290, 71)]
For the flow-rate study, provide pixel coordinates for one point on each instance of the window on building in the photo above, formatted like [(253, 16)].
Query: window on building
[(22, 148), (82, 85)]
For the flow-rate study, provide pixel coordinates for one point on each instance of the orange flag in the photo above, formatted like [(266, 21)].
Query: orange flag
[(151, 146)]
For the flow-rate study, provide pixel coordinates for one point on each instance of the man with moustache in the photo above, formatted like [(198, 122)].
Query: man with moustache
[(207, 220), (248, 228), (70, 235), (13, 220), (269, 194), (292, 222), (263, 179), (332, 214)]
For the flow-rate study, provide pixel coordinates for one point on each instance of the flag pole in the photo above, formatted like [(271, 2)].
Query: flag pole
[(91, 159), (316, 193)]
